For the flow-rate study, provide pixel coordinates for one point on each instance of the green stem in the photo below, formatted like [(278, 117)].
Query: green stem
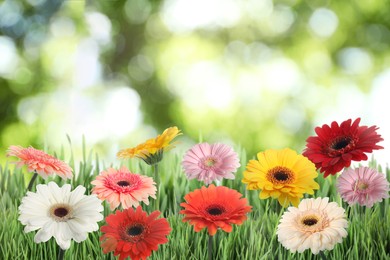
[(322, 255), (210, 248), (157, 180), (30, 184), (61, 253)]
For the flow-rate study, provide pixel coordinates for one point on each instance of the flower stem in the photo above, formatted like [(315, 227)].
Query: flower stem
[(157, 180), (61, 253), (210, 248), (322, 255), (30, 184)]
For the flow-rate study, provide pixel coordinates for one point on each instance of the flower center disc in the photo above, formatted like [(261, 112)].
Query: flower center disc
[(123, 183), (361, 186), (313, 221), (340, 143), (280, 175), (310, 221), (135, 230), (209, 162), (60, 212), (215, 210)]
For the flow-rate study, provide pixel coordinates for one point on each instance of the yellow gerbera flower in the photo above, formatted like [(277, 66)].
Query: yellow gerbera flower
[(151, 151), (281, 174)]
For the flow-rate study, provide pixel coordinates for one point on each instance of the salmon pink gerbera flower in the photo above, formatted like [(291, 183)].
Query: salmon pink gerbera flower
[(123, 187), (213, 208), (209, 162), (40, 162), (335, 146), (363, 185), (132, 233)]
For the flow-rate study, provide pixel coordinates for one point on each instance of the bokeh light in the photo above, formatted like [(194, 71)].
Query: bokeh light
[(259, 74)]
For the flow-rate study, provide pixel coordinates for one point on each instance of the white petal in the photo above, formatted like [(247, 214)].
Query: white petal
[(29, 228), (45, 192), (56, 192), (64, 244), (76, 195), (45, 233)]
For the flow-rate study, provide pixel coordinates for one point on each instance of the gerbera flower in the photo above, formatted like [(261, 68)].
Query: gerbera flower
[(152, 150), (40, 162), (133, 233), (336, 146), (363, 185), (316, 224), (209, 162), (281, 174), (213, 208), (59, 213), (123, 187)]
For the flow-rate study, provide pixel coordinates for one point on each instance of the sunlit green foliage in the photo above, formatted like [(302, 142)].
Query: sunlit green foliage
[(268, 69)]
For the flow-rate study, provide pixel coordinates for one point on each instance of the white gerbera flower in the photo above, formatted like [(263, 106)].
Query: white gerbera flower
[(59, 213), (316, 224)]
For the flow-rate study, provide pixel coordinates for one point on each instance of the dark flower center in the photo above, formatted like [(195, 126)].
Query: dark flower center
[(135, 230), (215, 210), (123, 183), (61, 212), (341, 143), (310, 221), (280, 175)]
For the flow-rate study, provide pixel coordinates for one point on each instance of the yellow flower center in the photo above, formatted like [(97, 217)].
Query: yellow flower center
[(360, 185), (280, 175), (209, 162)]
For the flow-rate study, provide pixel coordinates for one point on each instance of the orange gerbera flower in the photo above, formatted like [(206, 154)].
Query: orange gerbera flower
[(133, 233), (215, 207), (151, 151), (40, 162)]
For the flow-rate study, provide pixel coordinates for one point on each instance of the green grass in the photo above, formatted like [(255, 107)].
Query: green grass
[(368, 231)]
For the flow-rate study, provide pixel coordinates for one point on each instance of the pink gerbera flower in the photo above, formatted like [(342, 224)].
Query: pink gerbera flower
[(209, 162), (123, 187), (40, 162), (363, 185)]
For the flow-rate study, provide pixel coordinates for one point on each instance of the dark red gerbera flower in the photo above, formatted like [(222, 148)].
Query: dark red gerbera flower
[(133, 233), (335, 146)]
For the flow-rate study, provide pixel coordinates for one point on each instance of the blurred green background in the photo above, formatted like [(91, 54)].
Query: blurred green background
[(258, 73)]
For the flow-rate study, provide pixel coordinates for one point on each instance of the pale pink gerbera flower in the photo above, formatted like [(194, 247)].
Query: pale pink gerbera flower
[(40, 162), (123, 187), (363, 185), (209, 162), (316, 224)]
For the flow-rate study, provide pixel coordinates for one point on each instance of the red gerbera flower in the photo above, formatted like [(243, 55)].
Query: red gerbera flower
[(336, 146), (133, 233), (214, 207)]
